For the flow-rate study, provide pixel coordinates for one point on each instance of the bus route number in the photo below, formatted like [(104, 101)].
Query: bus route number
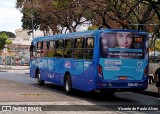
[(132, 84)]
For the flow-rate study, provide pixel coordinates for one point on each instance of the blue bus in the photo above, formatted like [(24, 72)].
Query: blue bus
[(105, 59)]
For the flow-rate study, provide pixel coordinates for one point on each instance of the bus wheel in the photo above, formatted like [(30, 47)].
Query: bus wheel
[(39, 81), (106, 92), (68, 84)]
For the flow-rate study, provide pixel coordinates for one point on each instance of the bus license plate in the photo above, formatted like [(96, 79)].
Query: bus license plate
[(132, 84)]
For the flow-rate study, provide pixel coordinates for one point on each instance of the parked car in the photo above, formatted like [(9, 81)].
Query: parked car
[(154, 56)]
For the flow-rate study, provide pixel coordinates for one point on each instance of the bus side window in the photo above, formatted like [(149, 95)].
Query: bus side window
[(59, 48), (51, 52), (68, 48), (78, 52), (79, 43), (89, 47), (32, 51), (44, 49), (39, 45)]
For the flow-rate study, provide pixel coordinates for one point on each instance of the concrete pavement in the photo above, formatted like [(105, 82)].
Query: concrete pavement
[(28, 95), (32, 96), (12, 91), (151, 90)]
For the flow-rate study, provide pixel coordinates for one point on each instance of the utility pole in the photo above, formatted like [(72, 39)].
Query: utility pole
[(5, 51), (32, 26), (32, 17)]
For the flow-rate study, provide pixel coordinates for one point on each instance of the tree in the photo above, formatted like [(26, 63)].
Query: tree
[(157, 45), (130, 14), (8, 41), (53, 14), (9, 34), (121, 13), (69, 15), (4, 40), (156, 6)]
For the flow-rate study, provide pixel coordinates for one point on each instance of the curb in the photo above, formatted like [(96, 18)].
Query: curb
[(2, 71), (14, 69), (26, 73)]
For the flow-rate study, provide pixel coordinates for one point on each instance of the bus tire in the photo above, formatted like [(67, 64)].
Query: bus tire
[(67, 84), (39, 81), (106, 92)]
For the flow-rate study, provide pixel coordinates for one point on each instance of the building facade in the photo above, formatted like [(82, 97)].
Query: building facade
[(18, 52)]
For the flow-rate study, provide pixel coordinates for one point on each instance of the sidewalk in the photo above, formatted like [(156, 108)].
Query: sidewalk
[(152, 90), (12, 91)]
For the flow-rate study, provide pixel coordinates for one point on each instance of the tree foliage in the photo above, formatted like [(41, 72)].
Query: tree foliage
[(68, 15), (59, 16), (4, 40), (157, 47), (9, 34)]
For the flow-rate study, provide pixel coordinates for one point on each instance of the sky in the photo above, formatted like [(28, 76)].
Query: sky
[(10, 17)]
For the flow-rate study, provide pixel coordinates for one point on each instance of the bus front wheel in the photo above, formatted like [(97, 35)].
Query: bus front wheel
[(39, 81), (68, 84)]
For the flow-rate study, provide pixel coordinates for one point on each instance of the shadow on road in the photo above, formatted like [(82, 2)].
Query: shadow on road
[(94, 96)]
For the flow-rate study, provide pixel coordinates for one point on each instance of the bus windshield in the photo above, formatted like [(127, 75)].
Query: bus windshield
[(123, 45)]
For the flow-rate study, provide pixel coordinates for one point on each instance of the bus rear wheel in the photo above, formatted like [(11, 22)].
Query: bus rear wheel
[(39, 81), (68, 84)]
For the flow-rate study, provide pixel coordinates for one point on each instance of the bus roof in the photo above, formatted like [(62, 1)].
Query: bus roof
[(81, 34)]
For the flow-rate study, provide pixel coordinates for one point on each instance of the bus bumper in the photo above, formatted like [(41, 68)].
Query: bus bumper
[(123, 85)]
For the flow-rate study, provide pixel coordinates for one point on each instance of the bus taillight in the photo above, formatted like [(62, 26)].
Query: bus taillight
[(123, 78), (100, 71)]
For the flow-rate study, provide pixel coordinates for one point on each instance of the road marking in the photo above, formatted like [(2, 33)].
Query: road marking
[(34, 94)]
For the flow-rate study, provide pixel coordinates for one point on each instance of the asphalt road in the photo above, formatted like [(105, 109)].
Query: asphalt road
[(118, 102)]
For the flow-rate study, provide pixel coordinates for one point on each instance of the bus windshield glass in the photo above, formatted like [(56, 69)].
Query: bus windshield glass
[(123, 45)]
